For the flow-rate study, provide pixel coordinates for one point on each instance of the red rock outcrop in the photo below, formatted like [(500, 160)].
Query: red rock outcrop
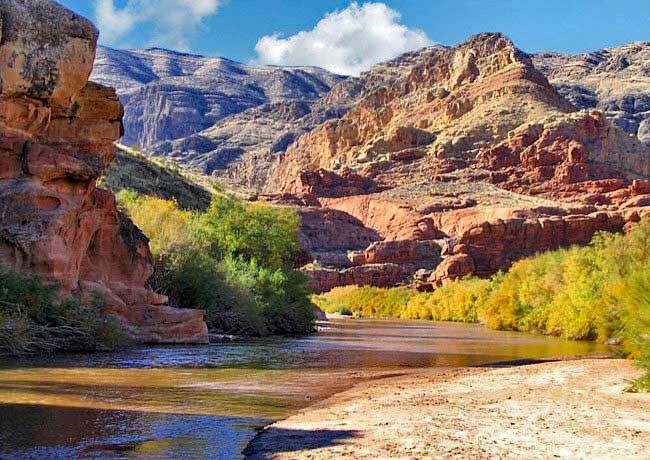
[(575, 156), (453, 103), (56, 138), (472, 151)]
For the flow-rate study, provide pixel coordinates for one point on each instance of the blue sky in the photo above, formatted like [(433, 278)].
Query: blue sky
[(359, 35)]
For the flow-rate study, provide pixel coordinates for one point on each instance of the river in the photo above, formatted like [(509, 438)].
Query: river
[(205, 402)]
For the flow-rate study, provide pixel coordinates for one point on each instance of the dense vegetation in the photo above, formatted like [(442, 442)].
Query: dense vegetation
[(235, 260), (599, 292), (133, 171), (32, 320)]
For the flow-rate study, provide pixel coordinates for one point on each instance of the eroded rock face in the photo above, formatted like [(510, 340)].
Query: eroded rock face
[(467, 163), (450, 105), (572, 156), (56, 137), (614, 80)]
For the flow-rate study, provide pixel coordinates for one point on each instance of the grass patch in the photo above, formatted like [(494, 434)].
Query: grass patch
[(33, 320)]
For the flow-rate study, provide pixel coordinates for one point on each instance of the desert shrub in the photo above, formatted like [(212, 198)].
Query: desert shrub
[(365, 301), (165, 224), (32, 320), (266, 234), (194, 280), (345, 311), (456, 301), (631, 298), (597, 292), (234, 261), (459, 300)]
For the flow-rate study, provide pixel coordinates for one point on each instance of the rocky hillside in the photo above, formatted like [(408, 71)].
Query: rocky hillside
[(226, 118), (56, 138), (469, 161), (242, 147), (449, 106), (132, 170), (169, 95), (614, 80)]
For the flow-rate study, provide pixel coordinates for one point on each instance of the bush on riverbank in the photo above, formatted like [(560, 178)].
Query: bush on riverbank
[(234, 261), (452, 302), (598, 292), (33, 321)]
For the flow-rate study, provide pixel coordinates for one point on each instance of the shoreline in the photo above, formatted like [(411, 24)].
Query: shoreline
[(556, 408)]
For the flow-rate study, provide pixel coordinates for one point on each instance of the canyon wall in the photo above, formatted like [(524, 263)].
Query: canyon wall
[(468, 162), (56, 138)]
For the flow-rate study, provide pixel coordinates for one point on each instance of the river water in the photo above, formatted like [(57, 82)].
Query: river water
[(205, 402)]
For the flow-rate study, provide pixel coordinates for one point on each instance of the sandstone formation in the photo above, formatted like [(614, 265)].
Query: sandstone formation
[(56, 138), (614, 80), (451, 105), (468, 162)]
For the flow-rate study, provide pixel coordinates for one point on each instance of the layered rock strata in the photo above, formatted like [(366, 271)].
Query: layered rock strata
[(469, 162), (56, 138), (615, 81)]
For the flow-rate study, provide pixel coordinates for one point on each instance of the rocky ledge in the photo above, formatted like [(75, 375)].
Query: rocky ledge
[(468, 162), (56, 138)]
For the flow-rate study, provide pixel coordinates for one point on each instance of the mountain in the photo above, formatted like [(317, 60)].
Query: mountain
[(169, 95), (613, 80), (227, 118), (447, 106), (466, 163), (440, 163)]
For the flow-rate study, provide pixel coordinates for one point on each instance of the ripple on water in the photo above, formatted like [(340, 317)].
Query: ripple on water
[(204, 402)]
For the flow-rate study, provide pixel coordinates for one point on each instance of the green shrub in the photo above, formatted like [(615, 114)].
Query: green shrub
[(344, 310), (266, 234), (234, 261)]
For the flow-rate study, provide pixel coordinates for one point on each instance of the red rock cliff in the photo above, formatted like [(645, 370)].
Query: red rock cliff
[(56, 138), (469, 161)]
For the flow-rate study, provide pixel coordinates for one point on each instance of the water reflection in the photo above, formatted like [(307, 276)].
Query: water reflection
[(204, 402), (65, 433)]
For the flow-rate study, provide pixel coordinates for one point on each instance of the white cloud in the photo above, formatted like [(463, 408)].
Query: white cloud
[(346, 42), (172, 21)]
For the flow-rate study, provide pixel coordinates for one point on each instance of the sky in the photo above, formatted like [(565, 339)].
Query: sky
[(349, 37)]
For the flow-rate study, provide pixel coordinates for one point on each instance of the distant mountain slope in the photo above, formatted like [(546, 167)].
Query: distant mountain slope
[(133, 171), (614, 80), (170, 95), (242, 147), (167, 96)]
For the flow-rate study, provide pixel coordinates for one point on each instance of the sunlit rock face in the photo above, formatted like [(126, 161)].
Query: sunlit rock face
[(614, 80), (467, 162), (229, 119), (56, 138)]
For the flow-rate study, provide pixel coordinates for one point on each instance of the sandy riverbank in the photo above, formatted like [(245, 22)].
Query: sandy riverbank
[(569, 409)]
